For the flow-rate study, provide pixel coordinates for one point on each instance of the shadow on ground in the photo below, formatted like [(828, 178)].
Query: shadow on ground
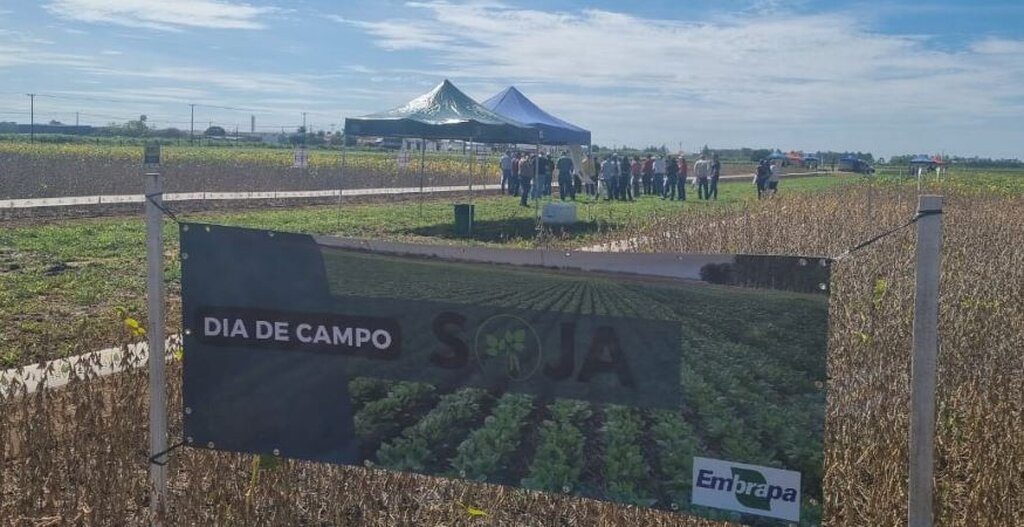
[(510, 229)]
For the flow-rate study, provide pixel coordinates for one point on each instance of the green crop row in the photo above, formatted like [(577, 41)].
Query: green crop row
[(381, 417), (418, 443), (489, 449), (627, 473), (558, 461)]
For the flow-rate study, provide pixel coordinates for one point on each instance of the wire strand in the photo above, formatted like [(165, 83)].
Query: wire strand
[(888, 233), (163, 208)]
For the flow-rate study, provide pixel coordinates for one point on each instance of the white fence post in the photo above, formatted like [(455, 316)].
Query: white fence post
[(924, 364), (157, 364)]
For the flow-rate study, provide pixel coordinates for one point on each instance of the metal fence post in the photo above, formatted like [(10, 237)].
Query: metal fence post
[(157, 384), (924, 364)]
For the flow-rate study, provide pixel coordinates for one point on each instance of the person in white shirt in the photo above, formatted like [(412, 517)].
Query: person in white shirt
[(659, 176), (701, 172), (506, 172), (773, 178)]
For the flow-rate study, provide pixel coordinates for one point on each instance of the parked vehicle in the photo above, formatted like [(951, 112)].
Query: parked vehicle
[(852, 164)]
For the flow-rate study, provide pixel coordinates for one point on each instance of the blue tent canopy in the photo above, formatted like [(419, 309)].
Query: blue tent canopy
[(921, 159), (512, 104)]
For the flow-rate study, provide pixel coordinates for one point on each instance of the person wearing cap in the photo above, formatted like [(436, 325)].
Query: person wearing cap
[(566, 188)]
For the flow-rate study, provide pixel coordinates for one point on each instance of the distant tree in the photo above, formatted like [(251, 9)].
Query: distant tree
[(137, 127), (215, 131), (56, 123)]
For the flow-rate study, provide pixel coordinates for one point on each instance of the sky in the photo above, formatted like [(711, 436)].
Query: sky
[(889, 78)]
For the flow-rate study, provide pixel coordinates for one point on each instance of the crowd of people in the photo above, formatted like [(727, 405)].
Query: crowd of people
[(621, 177)]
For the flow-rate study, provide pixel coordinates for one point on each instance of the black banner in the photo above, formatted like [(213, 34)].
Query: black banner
[(640, 379)]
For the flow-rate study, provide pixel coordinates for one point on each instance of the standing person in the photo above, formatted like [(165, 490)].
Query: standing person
[(565, 183), (549, 174), (647, 175), (635, 169), (702, 171), (774, 174), (659, 176), (716, 172), (506, 172), (761, 178), (513, 188), (607, 177), (590, 169), (684, 173), (541, 166), (671, 179), (527, 168), (625, 174)]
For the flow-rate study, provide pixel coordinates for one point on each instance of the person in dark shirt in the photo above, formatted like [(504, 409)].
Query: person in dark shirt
[(716, 171), (625, 172), (683, 173), (647, 175), (566, 186), (527, 170), (761, 178), (671, 178)]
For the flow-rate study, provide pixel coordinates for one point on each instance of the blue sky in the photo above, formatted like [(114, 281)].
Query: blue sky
[(885, 77)]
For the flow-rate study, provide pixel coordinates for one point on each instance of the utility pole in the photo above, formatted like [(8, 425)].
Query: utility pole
[(76, 119), (32, 118), (192, 126), (252, 124)]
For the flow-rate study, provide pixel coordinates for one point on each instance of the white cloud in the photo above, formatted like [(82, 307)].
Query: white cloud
[(163, 14), (16, 55), (646, 81)]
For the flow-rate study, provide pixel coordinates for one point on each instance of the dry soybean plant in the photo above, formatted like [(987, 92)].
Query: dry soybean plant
[(75, 456)]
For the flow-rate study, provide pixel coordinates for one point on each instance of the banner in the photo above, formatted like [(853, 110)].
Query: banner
[(691, 383)]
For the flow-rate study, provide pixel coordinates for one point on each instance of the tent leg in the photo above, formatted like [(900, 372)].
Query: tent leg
[(341, 178), (423, 156)]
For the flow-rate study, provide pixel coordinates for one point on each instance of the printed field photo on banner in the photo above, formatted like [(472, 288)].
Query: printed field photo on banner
[(696, 388)]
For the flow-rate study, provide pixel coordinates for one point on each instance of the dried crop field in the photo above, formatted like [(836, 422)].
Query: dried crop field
[(49, 170), (74, 456), (59, 170)]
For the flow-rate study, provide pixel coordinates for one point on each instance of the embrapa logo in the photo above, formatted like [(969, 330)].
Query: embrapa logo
[(749, 489)]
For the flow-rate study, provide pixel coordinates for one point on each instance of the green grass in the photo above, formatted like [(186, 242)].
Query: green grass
[(61, 282)]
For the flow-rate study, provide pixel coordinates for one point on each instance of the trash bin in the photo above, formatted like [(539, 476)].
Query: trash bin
[(464, 219)]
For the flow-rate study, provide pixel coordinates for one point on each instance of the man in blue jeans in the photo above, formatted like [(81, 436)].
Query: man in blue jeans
[(506, 172), (566, 188), (526, 175)]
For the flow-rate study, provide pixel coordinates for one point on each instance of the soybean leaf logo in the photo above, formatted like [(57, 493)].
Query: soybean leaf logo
[(748, 499), (510, 346)]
